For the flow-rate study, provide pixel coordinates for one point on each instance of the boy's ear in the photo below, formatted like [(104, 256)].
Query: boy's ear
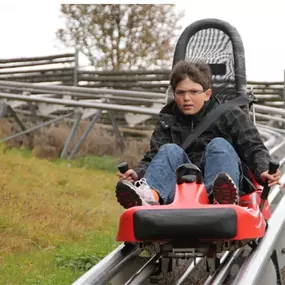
[(169, 94), (208, 94)]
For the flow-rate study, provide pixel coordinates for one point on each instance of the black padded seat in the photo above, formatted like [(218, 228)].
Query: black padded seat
[(161, 224)]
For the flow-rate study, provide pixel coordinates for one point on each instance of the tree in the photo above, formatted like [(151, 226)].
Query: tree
[(122, 36)]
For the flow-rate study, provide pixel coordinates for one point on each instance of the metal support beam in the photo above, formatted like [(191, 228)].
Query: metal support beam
[(85, 134), (117, 131), (32, 107), (74, 103), (35, 128), (3, 109), (13, 113), (77, 118)]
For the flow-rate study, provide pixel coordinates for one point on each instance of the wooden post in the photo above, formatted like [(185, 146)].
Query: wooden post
[(76, 63)]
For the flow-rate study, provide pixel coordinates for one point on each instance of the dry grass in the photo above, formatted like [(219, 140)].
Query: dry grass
[(53, 219), (48, 142), (43, 204)]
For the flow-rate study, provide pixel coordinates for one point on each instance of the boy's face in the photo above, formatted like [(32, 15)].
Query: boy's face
[(190, 96)]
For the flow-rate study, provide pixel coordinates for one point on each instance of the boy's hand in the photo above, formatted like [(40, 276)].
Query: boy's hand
[(273, 179), (129, 175)]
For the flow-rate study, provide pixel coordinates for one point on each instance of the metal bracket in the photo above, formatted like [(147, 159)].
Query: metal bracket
[(212, 263)]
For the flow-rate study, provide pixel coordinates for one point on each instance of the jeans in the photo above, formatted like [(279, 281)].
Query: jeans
[(219, 156)]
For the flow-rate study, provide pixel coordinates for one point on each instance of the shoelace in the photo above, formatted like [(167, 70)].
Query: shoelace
[(141, 182)]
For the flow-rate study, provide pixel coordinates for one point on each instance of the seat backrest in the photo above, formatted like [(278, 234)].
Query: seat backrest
[(219, 44)]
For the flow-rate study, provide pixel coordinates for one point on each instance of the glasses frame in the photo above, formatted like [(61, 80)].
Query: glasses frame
[(192, 93)]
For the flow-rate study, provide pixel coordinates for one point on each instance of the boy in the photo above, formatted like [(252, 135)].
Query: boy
[(231, 145)]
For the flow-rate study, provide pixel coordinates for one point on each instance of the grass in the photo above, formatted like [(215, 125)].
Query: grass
[(105, 162), (57, 218)]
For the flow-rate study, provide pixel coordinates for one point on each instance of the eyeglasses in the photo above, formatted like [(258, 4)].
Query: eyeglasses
[(182, 93)]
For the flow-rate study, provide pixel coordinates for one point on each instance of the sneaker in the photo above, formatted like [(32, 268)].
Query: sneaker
[(224, 190), (137, 194)]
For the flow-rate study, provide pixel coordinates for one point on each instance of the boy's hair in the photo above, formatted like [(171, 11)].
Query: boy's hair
[(198, 72)]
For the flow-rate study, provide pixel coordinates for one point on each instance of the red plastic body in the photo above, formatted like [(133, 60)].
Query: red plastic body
[(251, 223)]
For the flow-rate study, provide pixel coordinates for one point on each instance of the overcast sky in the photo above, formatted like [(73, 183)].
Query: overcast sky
[(28, 29)]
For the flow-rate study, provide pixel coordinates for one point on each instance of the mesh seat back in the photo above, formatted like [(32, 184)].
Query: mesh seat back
[(214, 47), (219, 44)]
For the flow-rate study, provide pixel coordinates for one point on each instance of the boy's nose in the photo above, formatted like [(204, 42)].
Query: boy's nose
[(187, 97)]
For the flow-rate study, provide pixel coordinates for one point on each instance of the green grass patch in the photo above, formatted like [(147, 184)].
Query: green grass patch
[(105, 162), (55, 266)]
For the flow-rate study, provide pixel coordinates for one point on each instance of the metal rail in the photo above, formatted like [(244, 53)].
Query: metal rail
[(144, 272), (223, 271), (216, 279), (82, 94), (109, 266), (255, 263), (271, 110), (280, 131), (67, 90), (221, 274), (86, 104), (88, 92), (229, 258), (189, 270)]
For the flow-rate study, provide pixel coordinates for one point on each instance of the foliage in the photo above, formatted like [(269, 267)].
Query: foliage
[(78, 263), (122, 36)]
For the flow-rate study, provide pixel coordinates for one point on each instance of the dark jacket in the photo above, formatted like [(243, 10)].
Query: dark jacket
[(234, 125)]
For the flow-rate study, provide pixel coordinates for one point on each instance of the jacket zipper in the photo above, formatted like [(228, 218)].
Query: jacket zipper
[(192, 126)]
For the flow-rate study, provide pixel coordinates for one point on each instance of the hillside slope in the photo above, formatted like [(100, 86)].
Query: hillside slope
[(55, 220)]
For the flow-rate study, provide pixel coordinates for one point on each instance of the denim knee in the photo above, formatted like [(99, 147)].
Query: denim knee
[(219, 145), (171, 149)]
